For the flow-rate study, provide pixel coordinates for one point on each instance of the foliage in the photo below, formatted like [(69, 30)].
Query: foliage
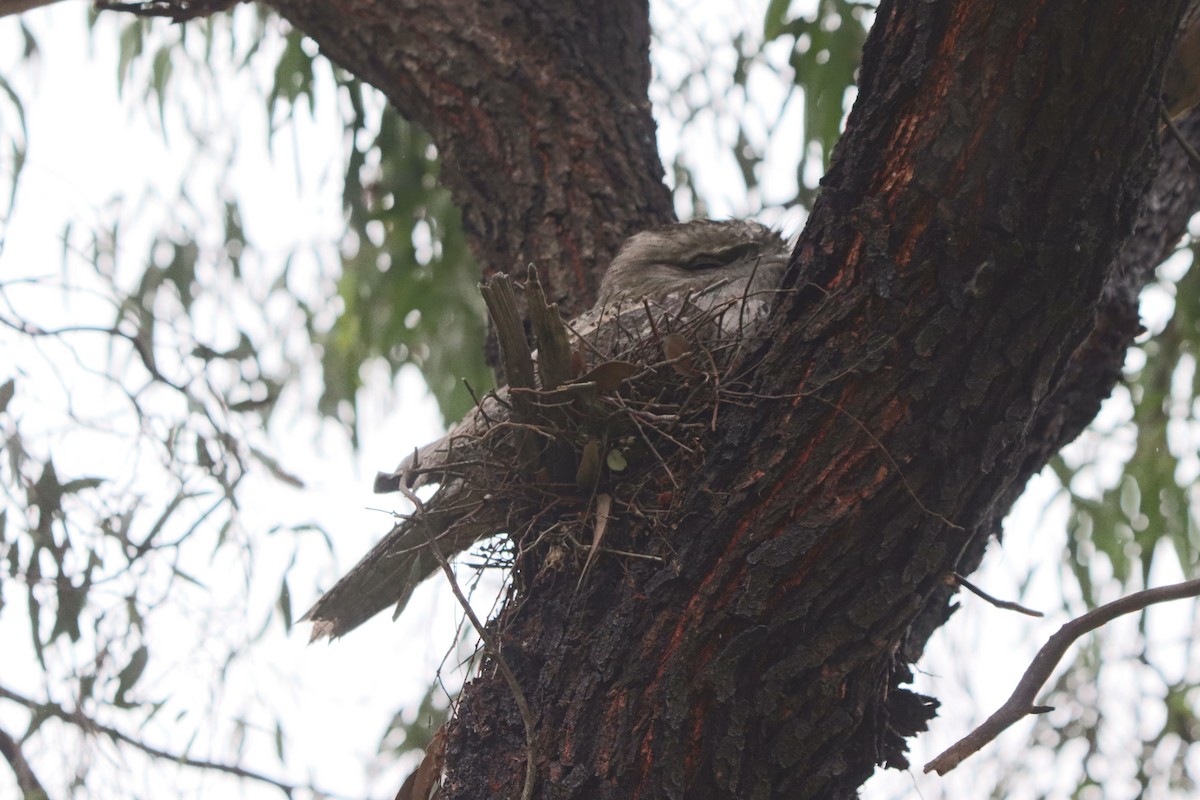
[(408, 282)]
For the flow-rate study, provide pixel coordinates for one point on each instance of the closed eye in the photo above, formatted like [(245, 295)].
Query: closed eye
[(724, 258)]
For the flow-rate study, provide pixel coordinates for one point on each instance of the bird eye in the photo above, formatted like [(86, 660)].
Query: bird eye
[(717, 260), (704, 262)]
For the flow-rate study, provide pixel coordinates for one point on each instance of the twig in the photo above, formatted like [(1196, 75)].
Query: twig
[(489, 644), (661, 461), (90, 725), (1020, 704), (603, 506), (478, 404), (139, 346), (998, 603), (628, 554), (1184, 144)]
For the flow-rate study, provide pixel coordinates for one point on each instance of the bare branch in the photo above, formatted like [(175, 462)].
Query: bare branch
[(998, 603), (1192, 156), (27, 781), (174, 10), (1020, 704), (89, 725)]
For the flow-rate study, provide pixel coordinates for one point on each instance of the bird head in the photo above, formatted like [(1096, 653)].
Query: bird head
[(690, 256)]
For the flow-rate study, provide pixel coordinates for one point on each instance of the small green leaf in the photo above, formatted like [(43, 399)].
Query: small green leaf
[(160, 76), (276, 469), (285, 607), (616, 461), (71, 602), (130, 675), (81, 484), (130, 46)]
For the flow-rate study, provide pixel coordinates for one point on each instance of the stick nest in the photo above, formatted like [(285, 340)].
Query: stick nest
[(590, 456)]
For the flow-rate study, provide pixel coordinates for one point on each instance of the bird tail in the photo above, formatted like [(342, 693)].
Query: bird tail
[(388, 574)]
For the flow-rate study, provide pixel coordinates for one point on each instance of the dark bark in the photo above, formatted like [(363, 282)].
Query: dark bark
[(962, 299)]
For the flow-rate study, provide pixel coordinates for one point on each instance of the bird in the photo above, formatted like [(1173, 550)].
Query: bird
[(723, 273)]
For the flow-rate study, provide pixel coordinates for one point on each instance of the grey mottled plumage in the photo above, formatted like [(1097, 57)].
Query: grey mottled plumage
[(683, 269)]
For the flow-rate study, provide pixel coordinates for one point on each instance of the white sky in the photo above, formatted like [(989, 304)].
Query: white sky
[(88, 147)]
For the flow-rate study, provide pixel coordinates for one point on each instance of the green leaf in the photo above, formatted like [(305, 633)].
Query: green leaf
[(160, 76), (276, 469), (46, 495), (130, 676), (179, 272), (129, 47), (284, 603), (81, 484), (293, 79), (408, 290), (35, 610), (72, 600)]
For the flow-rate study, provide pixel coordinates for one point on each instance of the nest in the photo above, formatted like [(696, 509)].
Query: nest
[(604, 423)]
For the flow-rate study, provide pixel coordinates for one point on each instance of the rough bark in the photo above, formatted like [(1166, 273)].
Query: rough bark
[(962, 298)]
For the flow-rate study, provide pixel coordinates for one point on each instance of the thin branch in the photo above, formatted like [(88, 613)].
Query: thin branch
[(998, 603), (489, 643), (1184, 144), (27, 780), (90, 725), (139, 346), (174, 10), (1020, 704)]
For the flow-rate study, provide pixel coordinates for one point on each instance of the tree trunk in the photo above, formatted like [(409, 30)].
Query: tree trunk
[(960, 303)]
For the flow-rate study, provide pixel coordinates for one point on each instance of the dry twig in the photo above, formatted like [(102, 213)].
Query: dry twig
[(1020, 704), (91, 726), (1184, 144), (998, 603)]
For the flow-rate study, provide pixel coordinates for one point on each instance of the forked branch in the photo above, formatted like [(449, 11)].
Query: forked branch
[(1020, 704)]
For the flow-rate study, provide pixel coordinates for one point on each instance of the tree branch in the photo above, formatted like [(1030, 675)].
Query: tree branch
[(174, 10), (1007, 605), (90, 725), (1020, 704), (27, 780)]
